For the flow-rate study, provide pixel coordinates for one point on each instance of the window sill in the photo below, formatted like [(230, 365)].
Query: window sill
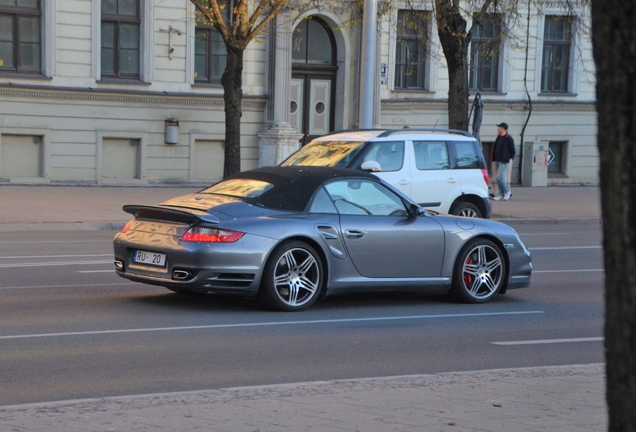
[(25, 76), (412, 91), (557, 94), (488, 93), (122, 81), (207, 85)]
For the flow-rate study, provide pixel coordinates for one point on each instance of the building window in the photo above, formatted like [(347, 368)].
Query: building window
[(411, 50), (20, 36), (120, 52), (312, 43), (556, 157), (484, 55), (556, 54), (210, 55)]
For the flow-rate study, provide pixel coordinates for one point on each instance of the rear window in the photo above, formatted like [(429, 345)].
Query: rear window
[(467, 155), (241, 187), (325, 153)]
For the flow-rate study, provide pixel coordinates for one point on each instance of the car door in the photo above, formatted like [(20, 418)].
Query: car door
[(393, 158), (382, 240), (435, 184)]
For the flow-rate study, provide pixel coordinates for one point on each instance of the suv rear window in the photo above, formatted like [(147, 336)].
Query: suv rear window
[(467, 155)]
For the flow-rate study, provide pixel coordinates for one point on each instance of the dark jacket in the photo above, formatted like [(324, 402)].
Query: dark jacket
[(504, 149)]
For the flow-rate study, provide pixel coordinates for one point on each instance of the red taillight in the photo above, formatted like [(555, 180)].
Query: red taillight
[(485, 173), (211, 235), (127, 226)]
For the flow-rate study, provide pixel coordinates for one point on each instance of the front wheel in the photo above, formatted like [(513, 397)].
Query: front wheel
[(466, 209), (480, 272), (292, 277)]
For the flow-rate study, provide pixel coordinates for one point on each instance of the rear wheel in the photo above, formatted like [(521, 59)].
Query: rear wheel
[(466, 209), (480, 272), (292, 277)]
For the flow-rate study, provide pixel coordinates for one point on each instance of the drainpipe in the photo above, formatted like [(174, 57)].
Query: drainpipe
[(525, 84)]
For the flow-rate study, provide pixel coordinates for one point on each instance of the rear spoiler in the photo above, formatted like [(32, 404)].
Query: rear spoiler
[(167, 214)]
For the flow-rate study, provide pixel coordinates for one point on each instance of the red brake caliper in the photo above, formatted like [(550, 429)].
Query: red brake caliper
[(468, 278)]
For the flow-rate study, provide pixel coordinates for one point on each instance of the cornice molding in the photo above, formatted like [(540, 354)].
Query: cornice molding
[(400, 105), (126, 97)]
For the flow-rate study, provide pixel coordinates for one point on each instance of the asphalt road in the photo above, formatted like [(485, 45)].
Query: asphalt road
[(70, 328)]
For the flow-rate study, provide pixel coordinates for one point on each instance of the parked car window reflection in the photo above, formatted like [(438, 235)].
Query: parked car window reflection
[(431, 155), (390, 155)]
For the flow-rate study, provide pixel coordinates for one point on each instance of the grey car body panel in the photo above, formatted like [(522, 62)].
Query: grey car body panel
[(392, 252)]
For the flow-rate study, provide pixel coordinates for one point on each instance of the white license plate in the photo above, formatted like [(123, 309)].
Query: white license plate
[(150, 258)]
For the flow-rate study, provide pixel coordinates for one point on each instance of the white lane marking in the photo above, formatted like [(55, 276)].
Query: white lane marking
[(97, 271), (568, 271), (565, 248), (49, 264), (544, 234), (550, 341), (73, 286), (55, 256), (266, 324)]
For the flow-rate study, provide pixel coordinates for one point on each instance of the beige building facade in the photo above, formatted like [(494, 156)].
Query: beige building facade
[(128, 91)]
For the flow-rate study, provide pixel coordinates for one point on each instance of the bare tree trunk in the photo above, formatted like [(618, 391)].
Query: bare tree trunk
[(451, 27), (614, 41), (232, 81)]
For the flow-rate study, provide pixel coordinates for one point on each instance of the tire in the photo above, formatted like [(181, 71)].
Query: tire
[(292, 278), (466, 209), (480, 272)]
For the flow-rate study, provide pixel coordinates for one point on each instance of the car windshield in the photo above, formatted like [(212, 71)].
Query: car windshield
[(240, 187), (325, 153)]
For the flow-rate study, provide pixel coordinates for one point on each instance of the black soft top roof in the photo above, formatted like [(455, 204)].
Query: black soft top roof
[(293, 186)]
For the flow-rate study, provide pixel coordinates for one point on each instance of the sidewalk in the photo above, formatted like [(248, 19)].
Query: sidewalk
[(563, 398), (52, 208), (559, 398)]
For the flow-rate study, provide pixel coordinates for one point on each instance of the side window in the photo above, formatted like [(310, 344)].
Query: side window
[(431, 155), (20, 36), (390, 155), (120, 50), (466, 155), (364, 197), (322, 203)]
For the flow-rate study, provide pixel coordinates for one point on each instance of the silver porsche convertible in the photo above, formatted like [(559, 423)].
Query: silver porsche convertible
[(291, 235)]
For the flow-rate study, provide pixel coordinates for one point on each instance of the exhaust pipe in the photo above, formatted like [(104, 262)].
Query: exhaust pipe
[(181, 275)]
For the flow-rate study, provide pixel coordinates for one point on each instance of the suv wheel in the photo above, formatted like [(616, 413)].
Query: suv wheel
[(466, 209)]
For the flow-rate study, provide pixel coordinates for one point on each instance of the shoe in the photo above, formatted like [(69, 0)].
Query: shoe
[(499, 198), (491, 195), (507, 196)]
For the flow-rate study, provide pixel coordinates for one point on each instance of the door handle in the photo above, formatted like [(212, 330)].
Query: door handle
[(354, 234), (404, 182), (451, 180)]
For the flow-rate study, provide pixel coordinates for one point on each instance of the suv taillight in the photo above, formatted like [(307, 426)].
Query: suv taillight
[(485, 173)]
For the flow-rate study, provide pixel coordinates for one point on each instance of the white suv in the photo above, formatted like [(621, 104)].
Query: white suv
[(443, 170)]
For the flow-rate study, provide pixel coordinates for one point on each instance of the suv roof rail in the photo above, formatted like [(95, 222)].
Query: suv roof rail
[(390, 132)]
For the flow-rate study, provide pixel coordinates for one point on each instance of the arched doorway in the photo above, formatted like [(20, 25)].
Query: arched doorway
[(313, 81)]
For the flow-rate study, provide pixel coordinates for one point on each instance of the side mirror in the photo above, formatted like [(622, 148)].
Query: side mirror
[(416, 210), (370, 166)]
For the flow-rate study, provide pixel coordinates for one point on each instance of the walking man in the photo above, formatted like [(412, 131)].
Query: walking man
[(503, 154)]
